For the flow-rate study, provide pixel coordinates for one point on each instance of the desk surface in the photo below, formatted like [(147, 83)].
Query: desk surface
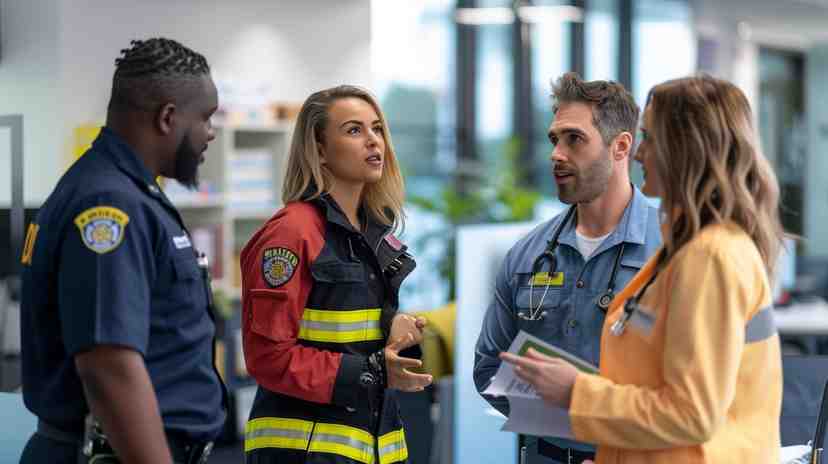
[(807, 318)]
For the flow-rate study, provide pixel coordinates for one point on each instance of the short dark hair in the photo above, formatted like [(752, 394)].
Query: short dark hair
[(155, 71), (613, 108)]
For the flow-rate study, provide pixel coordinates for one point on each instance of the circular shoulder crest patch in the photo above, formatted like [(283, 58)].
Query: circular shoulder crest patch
[(278, 265), (102, 228)]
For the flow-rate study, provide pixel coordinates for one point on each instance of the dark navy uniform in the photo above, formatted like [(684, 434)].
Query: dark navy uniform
[(109, 261), (318, 298)]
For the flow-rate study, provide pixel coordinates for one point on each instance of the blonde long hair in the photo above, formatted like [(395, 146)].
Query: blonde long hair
[(707, 153), (306, 178)]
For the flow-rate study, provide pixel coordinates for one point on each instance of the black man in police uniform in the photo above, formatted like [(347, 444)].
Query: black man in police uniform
[(117, 326)]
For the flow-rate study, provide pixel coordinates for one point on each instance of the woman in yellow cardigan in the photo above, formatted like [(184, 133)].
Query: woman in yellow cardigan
[(690, 361)]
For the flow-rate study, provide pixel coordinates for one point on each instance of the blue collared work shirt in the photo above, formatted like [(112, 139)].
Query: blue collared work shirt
[(109, 261), (573, 320)]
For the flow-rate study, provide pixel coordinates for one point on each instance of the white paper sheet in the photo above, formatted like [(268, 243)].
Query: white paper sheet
[(528, 414), (533, 417)]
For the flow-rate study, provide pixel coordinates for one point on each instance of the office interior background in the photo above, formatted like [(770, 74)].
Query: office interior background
[(465, 86)]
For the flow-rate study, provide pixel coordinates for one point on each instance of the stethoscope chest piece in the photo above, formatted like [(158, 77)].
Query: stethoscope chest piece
[(605, 299)]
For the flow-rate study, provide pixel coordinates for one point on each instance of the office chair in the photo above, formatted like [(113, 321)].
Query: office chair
[(819, 431), (804, 381)]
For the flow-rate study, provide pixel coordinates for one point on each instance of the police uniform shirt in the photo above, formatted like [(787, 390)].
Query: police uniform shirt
[(109, 262), (573, 320)]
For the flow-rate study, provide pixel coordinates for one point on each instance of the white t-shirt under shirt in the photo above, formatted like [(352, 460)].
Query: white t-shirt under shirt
[(588, 245)]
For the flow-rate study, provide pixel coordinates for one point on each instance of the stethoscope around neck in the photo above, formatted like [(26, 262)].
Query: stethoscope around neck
[(549, 256)]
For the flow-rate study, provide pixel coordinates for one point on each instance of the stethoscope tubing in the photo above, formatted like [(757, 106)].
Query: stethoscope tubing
[(549, 254)]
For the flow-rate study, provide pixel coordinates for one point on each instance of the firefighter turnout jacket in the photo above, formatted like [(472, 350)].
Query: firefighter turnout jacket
[(318, 297)]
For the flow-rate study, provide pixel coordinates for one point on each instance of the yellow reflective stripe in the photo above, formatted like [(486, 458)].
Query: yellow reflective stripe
[(343, 440), (340, 337), (358, 325), (392, 447), (277, 432), (356, 315)]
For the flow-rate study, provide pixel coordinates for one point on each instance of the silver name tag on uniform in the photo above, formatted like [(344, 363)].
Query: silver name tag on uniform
[(182, 242)]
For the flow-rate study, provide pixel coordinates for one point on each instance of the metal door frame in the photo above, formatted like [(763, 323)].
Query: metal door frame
[(15, 124)]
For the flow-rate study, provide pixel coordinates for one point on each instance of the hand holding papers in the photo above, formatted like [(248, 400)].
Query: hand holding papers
[(529, 414), (506, 383)]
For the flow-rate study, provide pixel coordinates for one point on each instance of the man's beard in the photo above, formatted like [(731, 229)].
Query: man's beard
[(590, 182), (186, 164)]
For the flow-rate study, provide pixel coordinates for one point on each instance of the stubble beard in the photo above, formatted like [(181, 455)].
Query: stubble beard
[(590, 182)]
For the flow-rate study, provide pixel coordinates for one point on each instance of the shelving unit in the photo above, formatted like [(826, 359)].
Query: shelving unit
[(240, 188)]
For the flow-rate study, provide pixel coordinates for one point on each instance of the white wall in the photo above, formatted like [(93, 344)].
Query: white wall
[(29, 78), (298, 47), (284, 48), (736, 58)]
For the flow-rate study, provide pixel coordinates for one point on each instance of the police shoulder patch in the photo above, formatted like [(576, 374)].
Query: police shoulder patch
[(278, 265), (102, 228)]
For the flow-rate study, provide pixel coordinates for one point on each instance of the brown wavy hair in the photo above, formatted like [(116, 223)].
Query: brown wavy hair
[(707, 154), (306, 178)]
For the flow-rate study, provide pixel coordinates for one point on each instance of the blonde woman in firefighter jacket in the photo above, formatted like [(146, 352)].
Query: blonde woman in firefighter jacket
[(321, 332)]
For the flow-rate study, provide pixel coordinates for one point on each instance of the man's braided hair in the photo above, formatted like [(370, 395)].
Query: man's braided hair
[(153, 72)]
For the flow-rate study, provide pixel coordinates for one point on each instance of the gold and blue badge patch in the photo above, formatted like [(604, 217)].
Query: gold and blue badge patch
[(278, 265), (102, 228)]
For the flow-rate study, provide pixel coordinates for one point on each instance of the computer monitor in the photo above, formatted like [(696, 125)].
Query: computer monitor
[(785, 278)]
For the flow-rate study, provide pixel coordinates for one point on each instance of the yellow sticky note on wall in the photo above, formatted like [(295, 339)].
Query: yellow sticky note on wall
[(83, 137)]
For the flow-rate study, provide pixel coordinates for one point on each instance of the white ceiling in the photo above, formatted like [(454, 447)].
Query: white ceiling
[(782, 23)]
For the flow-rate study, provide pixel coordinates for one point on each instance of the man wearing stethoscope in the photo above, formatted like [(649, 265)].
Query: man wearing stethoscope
[(557, 282)]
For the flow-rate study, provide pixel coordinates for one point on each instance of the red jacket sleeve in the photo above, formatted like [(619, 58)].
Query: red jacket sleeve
[(276, 282)]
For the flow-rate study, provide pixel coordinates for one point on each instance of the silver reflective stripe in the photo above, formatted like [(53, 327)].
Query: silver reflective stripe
[(342, 440), (274, 432), (761, 326), (642, 320), (391, 448), (339, 326)]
